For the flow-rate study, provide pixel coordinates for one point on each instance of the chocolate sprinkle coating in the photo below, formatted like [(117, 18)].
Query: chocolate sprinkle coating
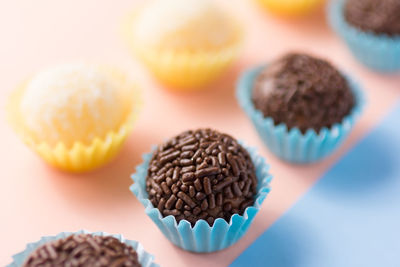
[(84, 250), (378, 16), (302, 91), (201, 174)]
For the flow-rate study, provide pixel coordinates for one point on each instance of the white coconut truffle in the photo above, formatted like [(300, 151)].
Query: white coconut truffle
[(192, 25), (73, 102)]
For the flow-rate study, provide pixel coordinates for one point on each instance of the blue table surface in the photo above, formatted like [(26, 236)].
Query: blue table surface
[(349, 218)]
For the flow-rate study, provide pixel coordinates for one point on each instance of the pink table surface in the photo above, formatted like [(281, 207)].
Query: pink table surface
[(36, 200)]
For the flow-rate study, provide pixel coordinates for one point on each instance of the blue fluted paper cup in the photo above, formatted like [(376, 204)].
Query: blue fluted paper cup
[(203, 237), (377, 51), (145, 259), (292, 145)]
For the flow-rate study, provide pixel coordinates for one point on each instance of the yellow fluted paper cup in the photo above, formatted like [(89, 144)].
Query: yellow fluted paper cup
[(187, 70), (290, 7), (76, 156)]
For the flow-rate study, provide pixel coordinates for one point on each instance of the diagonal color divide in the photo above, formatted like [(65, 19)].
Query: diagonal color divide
[(349, 218)]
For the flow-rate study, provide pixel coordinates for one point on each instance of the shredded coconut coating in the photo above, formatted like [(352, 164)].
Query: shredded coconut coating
[(73, 102), (177, 25)]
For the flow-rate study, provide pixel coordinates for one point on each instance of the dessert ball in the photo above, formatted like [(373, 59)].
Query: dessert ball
[(189, 25), (378, 16), (302, 91), (84, 250), (74, 102), (201, 175)]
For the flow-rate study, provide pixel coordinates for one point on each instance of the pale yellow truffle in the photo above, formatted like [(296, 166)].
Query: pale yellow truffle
[(73, 103), (188, 25)]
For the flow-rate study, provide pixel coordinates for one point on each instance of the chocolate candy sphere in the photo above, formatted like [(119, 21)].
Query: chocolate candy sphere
[(201, 174)]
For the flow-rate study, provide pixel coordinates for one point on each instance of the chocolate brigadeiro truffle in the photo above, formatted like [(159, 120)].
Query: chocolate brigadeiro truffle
[(84, 250), (201, 174), (378, 16), (304, 92)]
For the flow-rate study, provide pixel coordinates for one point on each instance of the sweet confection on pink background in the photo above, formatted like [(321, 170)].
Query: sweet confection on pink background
[(37, 200)]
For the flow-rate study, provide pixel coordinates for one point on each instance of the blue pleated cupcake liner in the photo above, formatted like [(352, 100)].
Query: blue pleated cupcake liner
[(202, 237), (377, 51), (145, 259), (292, 145)]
